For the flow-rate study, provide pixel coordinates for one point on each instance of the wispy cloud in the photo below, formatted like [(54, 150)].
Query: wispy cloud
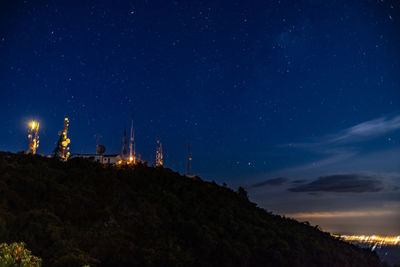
[(330, 158), (342, 147), (368, 129), (343, 183), (362, 131), (272, 182)]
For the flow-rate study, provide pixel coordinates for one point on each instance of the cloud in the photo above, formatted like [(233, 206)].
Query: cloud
[(272, 182), (332, 159), (328, 144), (300, 181), (344, 183), (368, 129)]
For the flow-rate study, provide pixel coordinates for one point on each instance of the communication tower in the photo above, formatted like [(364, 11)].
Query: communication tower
[(62, 149), (132, 152), (33, 136), (159, 154)]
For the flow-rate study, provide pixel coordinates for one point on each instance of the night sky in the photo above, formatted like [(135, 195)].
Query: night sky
[(297, 101)]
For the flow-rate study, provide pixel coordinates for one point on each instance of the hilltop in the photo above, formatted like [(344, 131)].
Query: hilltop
[(81, 212)]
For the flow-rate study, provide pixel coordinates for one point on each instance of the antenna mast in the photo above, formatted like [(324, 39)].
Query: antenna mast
[(100, 149), (98, 136), (124, 152), (132, 152), (188, 157)]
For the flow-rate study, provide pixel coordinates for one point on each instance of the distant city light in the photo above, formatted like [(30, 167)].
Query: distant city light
[(372, 240)]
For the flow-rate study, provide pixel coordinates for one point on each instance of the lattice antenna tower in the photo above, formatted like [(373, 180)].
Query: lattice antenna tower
[(33, 136), (159, 154), (62, 148)]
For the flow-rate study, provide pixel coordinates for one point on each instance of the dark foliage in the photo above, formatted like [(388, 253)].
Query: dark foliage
[(81, 212)]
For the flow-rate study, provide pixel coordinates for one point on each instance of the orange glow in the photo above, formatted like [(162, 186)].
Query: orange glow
[(64, 142), (340, 214), (373, 239), (33, 136)]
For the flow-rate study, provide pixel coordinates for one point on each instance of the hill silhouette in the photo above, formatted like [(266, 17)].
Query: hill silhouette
[(81, 212)]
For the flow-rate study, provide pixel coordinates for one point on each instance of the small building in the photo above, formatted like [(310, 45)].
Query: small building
[(105, 159), (94, 157), (111, 159)]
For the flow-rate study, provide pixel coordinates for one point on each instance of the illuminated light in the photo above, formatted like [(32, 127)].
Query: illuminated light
[(33, 137), (62, 146), (159, 154), (372, 240), (131, 159), (340, 214)]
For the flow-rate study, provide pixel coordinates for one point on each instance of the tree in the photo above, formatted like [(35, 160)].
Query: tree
[(243, 193), (16, 253)]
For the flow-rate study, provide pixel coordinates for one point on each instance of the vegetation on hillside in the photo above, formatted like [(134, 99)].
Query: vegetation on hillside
[(80, 212), (16, 254)]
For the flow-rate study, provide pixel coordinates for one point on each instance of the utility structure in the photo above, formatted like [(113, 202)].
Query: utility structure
[(33, 136), (188, 158), (62, 149), (132, 151), (124, 152), (100, 149), (159, 154)]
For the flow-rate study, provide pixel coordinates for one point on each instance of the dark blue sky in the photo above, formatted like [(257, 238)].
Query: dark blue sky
[(262, 89)]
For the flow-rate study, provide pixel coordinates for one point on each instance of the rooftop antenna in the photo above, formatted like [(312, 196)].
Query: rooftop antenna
[(33, 136), (132, 152), (100, 149), (188, 158), (98, 137)]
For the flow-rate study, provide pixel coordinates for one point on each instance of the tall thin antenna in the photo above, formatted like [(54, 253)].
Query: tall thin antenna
[(100, 149), (188, 158), (124, 152), (132, 152), (98, 137)]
